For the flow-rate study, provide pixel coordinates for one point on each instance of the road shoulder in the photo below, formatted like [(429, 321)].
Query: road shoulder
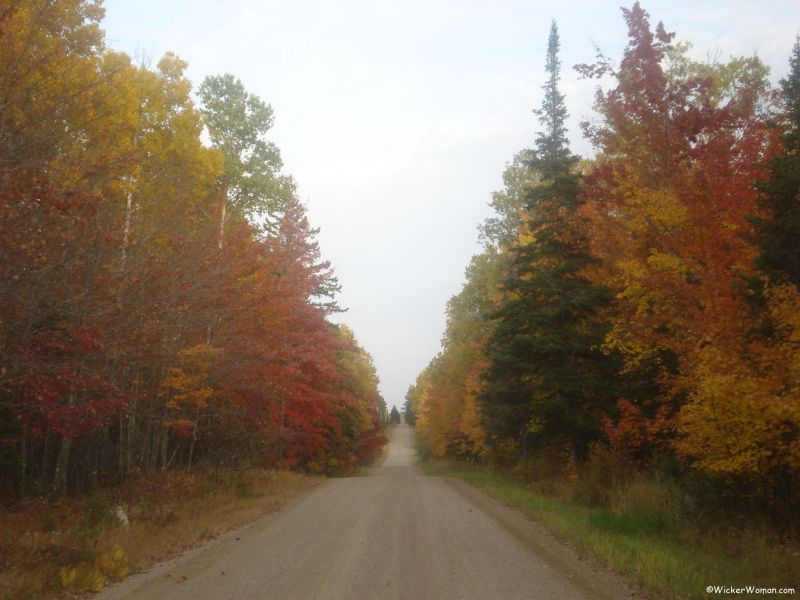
[(584, 572)]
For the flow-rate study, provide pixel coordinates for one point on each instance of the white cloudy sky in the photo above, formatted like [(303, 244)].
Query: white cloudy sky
[(397, 117)]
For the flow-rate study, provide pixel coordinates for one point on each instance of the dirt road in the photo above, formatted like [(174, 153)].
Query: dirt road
[(394, 534)]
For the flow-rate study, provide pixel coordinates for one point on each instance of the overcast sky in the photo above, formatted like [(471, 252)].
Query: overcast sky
[(396, 119)]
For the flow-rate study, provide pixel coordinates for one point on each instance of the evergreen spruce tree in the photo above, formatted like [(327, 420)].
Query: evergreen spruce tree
[(779, 232), (546, 372)]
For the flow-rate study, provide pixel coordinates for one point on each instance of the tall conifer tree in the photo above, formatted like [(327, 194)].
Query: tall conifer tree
[(779, 232), (546, 370)]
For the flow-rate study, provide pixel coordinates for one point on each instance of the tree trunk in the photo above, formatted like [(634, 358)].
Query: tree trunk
[(223, 207), (23, 475), (126, 232), (131, 429), (62, 463), (43, 480), (194, 438), (163, 442), (280, 431)]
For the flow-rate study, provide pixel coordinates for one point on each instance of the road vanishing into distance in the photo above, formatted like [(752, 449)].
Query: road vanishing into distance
[(393, 534)]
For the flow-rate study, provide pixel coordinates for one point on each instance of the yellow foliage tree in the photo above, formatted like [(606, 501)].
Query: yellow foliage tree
[(743, 416), (187, 388)]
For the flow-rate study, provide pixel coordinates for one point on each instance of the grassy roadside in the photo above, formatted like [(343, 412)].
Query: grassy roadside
[(669, 558), (53, 549), (377, 461)]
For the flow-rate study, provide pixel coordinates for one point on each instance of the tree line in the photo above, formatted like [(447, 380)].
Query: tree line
[(638, 311), (163, 301)]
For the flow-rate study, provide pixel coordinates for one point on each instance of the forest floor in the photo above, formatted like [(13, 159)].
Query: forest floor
[(51, 549)]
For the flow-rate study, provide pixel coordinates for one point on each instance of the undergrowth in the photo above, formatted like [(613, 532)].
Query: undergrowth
[(647, 529), (49, 549)]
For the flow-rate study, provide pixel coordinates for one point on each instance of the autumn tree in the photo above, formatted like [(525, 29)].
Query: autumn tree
[(359, 405), (647, 308), (112, 270), (669, 199), (444, 399), (52, 80), (56, 316), (743, 418), (501, 230)]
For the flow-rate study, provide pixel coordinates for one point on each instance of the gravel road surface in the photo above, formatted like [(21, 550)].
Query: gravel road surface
[(394, 534)]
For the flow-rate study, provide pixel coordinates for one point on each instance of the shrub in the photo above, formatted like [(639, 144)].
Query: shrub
[(424, 447), (93, 578)]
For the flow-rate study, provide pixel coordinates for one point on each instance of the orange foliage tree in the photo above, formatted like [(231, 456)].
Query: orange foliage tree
[(669, 197)]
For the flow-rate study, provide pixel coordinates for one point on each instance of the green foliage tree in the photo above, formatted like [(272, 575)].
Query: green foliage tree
[(546, 370), (779, 231), (394, 416), (409, 414), (501, 230), (237, 123), (412, 402)]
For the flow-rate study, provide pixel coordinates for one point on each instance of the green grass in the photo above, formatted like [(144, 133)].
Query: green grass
[(662, 552)]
